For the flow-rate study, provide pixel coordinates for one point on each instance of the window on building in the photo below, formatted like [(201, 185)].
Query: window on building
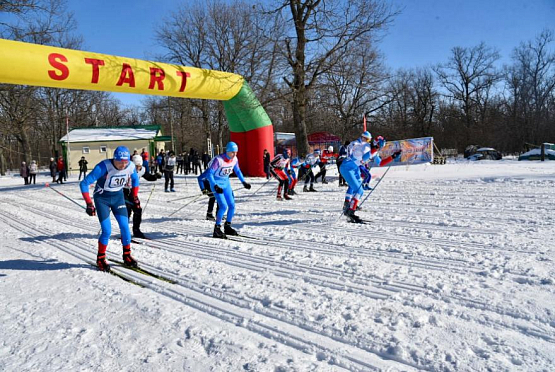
[(86, 149), (103, 148)]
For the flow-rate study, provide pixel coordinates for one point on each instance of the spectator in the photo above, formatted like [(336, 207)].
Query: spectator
[(83, 167), (205, 160), (169, 167), (179, 159), (61, 167), (196, 163), (24, 172), (53, 169), (266, 159), (33, 170), (187, 162)]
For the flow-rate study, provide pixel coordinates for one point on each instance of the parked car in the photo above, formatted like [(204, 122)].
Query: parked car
[(486, 153)]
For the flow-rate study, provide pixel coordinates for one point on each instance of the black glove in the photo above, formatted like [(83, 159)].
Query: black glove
[(205, 192), (91, 210), (218, 189), (136, 203), (396, 154), (158, 175), (247, 185)]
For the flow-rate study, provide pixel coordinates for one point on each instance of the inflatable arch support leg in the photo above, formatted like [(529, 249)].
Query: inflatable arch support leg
[(45, 66)]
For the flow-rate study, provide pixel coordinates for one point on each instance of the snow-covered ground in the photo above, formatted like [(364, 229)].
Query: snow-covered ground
[(454, 272)]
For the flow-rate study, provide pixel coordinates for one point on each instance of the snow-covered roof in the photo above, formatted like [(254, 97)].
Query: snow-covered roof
[(538, 152), (486, 149), (109, 134)]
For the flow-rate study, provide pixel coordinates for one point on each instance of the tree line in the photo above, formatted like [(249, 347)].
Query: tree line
[(315, 65)]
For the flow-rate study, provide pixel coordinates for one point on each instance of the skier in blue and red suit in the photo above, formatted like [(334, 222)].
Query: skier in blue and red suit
[(219, 169), (290, 172), (359, 153), (111, 176)]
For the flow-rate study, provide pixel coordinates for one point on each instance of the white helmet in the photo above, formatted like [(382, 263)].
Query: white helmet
[(330, 149), (137, 159)]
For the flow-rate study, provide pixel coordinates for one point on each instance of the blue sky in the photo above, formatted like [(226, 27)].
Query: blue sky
[(422, 35)]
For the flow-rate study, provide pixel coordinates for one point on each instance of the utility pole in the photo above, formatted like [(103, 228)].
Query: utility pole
[(171, 123)]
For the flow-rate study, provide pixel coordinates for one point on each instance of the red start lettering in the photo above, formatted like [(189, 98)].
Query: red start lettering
[(184, 75), (127, 76), (55, 60), (95, 69), (157, 75)]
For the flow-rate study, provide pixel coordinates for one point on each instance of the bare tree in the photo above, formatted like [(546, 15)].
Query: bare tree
[(469, 76), (321, 34), (531, 83)]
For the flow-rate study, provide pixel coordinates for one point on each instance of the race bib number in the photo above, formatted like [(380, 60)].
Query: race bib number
[(117, 181), (226, 171)]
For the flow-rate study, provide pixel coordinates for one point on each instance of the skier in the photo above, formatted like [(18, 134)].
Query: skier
[(278, 168), (133, 207), (359, 153), (293, 164), (305, 170), (342, 156), (204, 185), (327, 155), (221, 166), (110, 176)]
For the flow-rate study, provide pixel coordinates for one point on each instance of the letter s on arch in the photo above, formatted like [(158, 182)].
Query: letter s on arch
[(55, 60)]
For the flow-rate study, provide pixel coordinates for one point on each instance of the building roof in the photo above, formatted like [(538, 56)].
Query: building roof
[(96, 134)]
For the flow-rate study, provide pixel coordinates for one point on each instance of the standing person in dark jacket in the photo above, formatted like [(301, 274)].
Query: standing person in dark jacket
[(169, 166), (179, 159), (61, 167), (187, 158), (83, 167), (53, 169), (205, 160), (196, 163), (24, 172), (132, 206), (266, 159)]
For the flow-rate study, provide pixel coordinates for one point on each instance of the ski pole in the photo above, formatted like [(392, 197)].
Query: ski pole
[(258, 189), (380, 180), (65, 196), (185, 197), (151, 191), (192, 201)]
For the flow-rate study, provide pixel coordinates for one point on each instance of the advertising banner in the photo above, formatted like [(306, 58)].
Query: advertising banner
[(414, 151)]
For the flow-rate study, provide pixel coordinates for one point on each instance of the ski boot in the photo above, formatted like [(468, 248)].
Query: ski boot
[(346, 204), (210, 217), (138, 234), (312, 189), (352, 217), (101, 263), (228, 230), (218, 233), (166, 190), (128, 260), (172, 190), (324, 181), (305, 188), (279, 198), (287, 197), (292, 192)]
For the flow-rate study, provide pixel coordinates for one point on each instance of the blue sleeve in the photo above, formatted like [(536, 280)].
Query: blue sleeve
[(238, 173), (377, 160), (135, 179), (210, 173), (98, 171), (201, 179)]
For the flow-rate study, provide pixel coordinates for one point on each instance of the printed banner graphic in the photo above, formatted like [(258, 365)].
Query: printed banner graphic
[(414, 151)]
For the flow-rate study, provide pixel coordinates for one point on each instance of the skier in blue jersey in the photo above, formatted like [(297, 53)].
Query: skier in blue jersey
[(359, 153), (204, 185), (111, 176), (219, 169)]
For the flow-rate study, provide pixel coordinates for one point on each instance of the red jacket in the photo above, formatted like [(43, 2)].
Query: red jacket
[(60, 165)]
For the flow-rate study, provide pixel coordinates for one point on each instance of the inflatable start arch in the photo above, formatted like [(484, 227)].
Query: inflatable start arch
[(45, 66)]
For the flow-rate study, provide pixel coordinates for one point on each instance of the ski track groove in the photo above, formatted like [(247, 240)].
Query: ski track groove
[(219, 253), (299, 336)]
